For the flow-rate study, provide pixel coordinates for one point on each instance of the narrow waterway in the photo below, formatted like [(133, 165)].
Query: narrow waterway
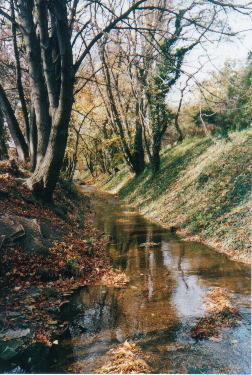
[(159, 305)]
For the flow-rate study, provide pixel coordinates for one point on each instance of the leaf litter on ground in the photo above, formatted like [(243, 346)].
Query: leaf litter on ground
[(126, 358), (220, 314), (78, 258)]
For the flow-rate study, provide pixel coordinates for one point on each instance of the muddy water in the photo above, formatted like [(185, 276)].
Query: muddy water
[(159, 306)]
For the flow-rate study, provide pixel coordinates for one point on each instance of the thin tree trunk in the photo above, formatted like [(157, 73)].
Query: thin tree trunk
[(156, 147), (176, 120), (155, 158), (3, 146), (138, 153), (39, 95), (33, 139), (19, 76), (16, 134), (116, 116)]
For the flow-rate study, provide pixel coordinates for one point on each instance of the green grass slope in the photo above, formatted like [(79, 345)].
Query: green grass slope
[(203, 188)]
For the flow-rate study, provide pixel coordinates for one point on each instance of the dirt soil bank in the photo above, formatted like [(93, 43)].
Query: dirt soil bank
[(47, 251)]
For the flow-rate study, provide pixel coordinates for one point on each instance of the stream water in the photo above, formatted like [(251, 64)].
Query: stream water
[(159, 305)]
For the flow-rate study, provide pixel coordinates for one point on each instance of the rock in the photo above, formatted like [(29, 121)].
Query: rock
[(14, 334), (13, 342), (46, 228), (22, 230), (10, 350), (10, 228), (31, 234), (35, 358), (33, 240)]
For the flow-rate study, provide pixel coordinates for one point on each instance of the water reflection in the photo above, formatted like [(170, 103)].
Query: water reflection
[(164, 296)]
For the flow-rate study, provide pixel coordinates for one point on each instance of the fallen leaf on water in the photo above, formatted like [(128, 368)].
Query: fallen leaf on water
[(215, 339)]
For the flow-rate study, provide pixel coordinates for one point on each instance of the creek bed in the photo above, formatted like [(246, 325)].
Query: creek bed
[(160, 304)]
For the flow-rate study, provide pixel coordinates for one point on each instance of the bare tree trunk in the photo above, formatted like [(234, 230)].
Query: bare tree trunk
[(155, 158), (16, 134), (39, 95), (19, 75), (33, 137), (45, 177), (3, 146), (138, 152), (46, 174), (176, 119)]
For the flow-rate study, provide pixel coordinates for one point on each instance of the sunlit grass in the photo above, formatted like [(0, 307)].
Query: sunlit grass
[(203, 186)]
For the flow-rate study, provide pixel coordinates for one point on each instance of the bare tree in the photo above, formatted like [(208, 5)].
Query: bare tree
[(46, 31), (52, 39)]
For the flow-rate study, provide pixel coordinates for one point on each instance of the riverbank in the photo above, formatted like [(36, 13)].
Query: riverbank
[(159, 307), (47, 251), (202, 191)]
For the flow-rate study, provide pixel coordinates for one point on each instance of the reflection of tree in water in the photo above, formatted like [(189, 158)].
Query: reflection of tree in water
[(145, 309), (146, 305), (181, 256), (124, 238), (93, 330), (212, 268), (100, 309)]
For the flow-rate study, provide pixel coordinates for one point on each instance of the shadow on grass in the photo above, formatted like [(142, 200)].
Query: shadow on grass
[(173, 161)]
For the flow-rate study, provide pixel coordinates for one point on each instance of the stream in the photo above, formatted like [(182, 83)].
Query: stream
[(160, 304)]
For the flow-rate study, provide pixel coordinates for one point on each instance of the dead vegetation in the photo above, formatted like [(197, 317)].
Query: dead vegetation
[(68, 252), (218, 300), (126, 358), (220, 314), (150, 244), (114, 278)]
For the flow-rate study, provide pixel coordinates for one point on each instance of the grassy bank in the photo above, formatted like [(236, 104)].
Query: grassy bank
[(203, 188)]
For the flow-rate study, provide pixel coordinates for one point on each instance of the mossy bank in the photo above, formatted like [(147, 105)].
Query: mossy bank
[(203, 189)]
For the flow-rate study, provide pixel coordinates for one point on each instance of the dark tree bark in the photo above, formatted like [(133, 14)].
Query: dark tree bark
[(177, 127), (176, 119), (16, 134), (45, 176), (158, 133), (33, 137), (39, 94), (138, 151), (46, 30), (19, 75), (3, 145)]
